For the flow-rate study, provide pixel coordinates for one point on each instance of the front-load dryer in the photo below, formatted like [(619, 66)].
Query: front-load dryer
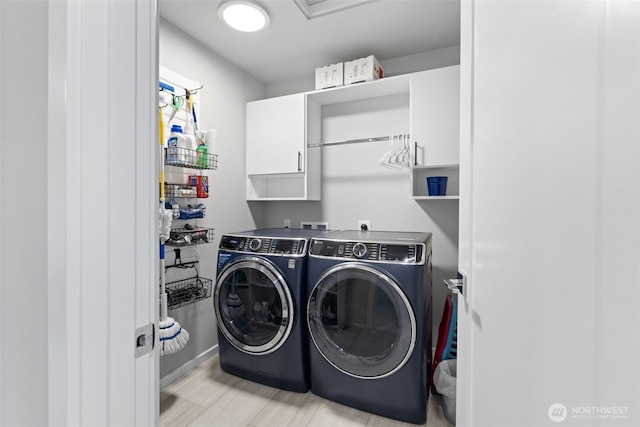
[(259, 299), (369, 319)]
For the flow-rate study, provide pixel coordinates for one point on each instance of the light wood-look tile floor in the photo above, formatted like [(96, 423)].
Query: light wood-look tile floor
[(207, 396)]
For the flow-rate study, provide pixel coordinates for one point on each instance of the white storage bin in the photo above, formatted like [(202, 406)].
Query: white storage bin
[(330, 76), (362, 70)]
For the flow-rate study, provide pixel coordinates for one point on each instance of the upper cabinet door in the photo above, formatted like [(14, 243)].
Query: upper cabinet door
[(435, 112), (276, 135)]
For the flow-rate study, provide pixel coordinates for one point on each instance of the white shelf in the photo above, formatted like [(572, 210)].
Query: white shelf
[(431, 167), (281, 187), (360, 91), (436, 197), (277, 199), (418, 175)]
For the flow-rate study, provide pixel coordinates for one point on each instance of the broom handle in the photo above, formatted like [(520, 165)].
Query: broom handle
[(163, 291)]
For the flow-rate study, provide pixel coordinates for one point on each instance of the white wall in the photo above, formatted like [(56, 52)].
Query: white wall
[(23, 221), (226, 91), (392, 67), (421, 61)]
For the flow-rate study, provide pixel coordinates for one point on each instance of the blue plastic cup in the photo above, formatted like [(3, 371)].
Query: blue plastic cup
[(437, 185)]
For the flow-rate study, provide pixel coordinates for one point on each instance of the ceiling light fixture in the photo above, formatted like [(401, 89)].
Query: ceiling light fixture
[(244, 15)]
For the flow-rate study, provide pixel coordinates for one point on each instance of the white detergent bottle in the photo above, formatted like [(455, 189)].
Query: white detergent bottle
[(190, 145), (174, 143), (210, 141)]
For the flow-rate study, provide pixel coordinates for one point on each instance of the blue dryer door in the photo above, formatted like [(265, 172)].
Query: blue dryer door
[(360, 321), (253, 305)]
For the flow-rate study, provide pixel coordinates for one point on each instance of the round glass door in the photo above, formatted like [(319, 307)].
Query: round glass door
[(253, 305), (361, 321)]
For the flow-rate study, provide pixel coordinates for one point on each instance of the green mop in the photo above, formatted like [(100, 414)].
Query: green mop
[(172, 336)]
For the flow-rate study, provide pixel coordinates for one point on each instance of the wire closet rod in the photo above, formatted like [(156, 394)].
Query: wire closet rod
[(357, 141)]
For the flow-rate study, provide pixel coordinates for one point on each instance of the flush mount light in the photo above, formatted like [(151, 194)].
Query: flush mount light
[(244, 15)]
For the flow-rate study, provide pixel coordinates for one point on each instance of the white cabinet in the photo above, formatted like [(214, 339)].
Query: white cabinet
[(284, 134), (276, 135), (435, 111), (278, 165), (435, 129)]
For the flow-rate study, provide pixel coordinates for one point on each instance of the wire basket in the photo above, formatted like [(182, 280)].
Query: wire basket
[(188, 291), (180, 190), (186, 158), (190, 237)]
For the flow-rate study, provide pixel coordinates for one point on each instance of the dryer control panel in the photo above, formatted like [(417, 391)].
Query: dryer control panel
[(368, 251), (263, 245)]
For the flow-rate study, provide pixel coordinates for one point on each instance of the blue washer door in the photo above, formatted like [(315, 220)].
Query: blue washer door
[(360, 321), (253, 305)]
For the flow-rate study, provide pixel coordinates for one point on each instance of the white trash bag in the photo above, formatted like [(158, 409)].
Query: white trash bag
[(445, 381)]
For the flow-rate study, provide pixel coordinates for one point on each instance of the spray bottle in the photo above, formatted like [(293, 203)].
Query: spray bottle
[(201, 151)]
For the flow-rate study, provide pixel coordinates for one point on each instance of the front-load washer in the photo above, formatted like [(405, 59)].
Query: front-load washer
[(259, 299), (369, 319)]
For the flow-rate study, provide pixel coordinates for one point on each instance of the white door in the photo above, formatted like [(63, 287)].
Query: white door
[(102, 210), (549, 214)]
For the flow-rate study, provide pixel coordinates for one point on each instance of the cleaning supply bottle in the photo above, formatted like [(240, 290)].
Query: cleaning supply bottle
[(175, 153), (211, 140), (201, 151), (211, 146), (190, 145)]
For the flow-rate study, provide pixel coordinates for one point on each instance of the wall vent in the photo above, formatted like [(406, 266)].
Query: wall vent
[(316, 8)]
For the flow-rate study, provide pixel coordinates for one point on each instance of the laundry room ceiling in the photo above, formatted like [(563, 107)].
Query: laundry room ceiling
[(294, 45)]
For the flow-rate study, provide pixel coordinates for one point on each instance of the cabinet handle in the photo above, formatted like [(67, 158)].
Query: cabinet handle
[(299, 161), (415, 153)]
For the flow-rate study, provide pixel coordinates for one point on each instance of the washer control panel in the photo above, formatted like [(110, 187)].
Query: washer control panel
[(263, 245), (368, 251)]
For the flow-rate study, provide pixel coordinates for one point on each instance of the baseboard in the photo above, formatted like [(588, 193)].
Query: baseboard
[(184, 369)]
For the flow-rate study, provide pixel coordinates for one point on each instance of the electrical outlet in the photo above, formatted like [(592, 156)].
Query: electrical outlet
[(321, 225), (287, 223), (364, 225), (306, 225)]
